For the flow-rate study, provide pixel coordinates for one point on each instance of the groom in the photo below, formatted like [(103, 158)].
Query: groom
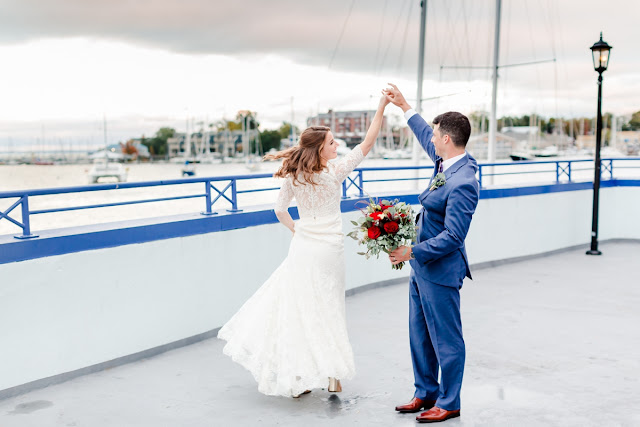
[(439, 263)]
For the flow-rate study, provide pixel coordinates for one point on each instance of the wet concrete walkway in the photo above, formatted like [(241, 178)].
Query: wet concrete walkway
[(552, 341)]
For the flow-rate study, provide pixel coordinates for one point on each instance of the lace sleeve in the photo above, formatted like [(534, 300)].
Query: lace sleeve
[(284, 196), (347, 164)]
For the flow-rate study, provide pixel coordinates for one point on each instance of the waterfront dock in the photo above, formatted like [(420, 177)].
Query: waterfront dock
[(113, 323), (551, 341)]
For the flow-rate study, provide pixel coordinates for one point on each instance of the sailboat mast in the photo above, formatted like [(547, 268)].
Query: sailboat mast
[(187, 139), (423, 26), (293, 128), (104, 128), (493, 123), (614, 132)]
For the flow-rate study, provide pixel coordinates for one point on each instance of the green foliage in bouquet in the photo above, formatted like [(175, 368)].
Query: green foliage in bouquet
[(384, 227)]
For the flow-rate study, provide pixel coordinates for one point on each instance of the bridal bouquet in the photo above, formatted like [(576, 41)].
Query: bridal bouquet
[(383, 227)]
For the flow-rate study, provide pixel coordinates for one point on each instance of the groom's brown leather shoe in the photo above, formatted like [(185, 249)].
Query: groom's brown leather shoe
[(436, 414), (415, 405)]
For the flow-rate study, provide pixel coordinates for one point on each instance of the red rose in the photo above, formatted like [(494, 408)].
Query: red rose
[(374, 232), (385, 207), (375, 215), (391, 227)]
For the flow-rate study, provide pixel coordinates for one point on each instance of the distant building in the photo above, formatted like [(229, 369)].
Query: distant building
[(350, 126), (224, 143), (176, 144)]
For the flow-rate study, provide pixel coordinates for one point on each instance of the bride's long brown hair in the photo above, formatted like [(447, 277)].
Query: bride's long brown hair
[(304, 158)]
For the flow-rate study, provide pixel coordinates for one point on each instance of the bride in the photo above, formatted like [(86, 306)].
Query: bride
[(292, 333)]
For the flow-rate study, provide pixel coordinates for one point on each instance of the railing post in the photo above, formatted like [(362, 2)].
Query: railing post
[(234, 197), (557, 172), (344, 189), (480, 175), (360, 183), (26, 224), (611, 168), (569, 169), (208, 199)]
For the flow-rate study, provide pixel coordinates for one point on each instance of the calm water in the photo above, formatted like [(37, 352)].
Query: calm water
[(33, 176)]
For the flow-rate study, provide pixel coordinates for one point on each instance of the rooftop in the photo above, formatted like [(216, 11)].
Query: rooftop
[(552, 341)]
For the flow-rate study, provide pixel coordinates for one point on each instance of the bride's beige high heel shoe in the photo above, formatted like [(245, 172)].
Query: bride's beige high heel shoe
[(334, 385), (297, 396)]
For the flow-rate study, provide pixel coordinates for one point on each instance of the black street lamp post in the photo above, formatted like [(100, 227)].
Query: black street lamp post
[(600, 51)]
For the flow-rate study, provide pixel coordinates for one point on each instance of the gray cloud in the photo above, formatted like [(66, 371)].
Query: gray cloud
[(459, 33)]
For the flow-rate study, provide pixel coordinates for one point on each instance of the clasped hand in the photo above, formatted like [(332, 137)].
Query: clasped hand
[(401, 254)]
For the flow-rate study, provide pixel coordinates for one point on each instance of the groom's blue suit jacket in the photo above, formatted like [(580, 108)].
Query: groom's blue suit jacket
[(443, 221)]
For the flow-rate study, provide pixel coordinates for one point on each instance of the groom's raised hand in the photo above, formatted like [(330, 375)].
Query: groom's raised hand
[(396, 97)]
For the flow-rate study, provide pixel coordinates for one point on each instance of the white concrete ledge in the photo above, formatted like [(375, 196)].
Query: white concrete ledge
[(64, 314)]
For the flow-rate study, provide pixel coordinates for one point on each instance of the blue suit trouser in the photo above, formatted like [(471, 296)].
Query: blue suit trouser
[(435, 332)]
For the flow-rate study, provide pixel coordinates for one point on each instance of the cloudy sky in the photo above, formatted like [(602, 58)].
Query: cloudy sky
[(68, 64)]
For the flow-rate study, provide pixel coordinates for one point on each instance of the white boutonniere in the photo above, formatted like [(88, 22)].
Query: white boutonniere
[(438, 181)]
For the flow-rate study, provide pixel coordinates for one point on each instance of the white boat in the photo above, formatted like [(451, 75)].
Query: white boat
[(107, 154), (104, 169), (633, 148), (522, 155), (550, 151), (397, 154)]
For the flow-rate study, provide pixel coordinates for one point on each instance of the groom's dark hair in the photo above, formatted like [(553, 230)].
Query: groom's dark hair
[(456, 125)]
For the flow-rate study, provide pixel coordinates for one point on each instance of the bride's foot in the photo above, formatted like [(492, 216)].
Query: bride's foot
[(304, 392), (334, 385)]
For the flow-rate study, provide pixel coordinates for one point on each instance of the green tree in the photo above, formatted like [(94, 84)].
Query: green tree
[(285, 130), (270, 139), (513, 121), (634, 123), (477, 118), (165, 133), (158, 144)]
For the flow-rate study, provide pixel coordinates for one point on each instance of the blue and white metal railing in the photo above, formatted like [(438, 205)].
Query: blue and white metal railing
[(24, 195), (563, 170)]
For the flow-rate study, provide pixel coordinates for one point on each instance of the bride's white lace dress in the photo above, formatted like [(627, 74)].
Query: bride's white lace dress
[(292, 333)]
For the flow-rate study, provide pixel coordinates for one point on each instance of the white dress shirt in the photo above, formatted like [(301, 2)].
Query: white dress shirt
[(446, 164)]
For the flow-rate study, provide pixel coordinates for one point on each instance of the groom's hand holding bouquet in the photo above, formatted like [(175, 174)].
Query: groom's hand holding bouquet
[(384, 227)]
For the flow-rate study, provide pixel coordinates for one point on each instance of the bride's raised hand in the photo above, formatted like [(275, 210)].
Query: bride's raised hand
[(374, 127), (384, 101), (394, 95)]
